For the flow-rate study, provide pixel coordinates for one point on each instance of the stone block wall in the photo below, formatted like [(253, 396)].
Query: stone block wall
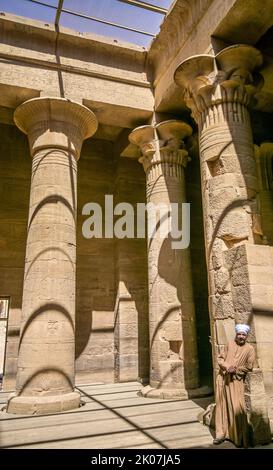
[(108, 348), (102, 265), (95, 286), (264, 160), (131, 312), (198, 265), (249, 300), (251, 274), (96, 268), (15, 170)]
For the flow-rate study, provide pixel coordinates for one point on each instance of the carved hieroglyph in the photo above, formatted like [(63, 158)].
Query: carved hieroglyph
[(56, 129), (173, 351)]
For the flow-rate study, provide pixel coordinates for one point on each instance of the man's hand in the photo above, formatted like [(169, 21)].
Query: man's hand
[(231, 370)]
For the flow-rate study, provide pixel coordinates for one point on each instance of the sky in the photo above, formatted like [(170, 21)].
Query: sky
[(114, 11)]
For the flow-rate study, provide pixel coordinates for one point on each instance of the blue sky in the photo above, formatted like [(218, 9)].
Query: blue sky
[(109, 10)]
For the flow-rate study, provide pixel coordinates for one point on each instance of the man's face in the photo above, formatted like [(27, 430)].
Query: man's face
[(241, 338)]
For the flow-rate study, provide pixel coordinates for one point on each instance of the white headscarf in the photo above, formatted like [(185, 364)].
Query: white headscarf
[(242, 328)]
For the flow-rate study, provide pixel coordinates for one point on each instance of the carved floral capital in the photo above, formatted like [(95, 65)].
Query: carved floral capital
[(162, 143), (55, 123), (230, 76)]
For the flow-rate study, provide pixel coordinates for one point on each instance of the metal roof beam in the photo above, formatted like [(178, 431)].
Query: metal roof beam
[(59, 9), (110, 23), (58, 12), (146, 6)]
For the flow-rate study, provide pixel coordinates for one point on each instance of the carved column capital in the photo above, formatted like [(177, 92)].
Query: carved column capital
[(162, 143), (55, 122), (228, 77), (173, 369)]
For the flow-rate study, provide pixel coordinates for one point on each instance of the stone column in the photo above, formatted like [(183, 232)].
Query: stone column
[(173, 351), (219, 91), (56, 129)]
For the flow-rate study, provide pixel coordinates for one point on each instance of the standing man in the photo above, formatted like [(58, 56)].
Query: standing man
[(235, 362)]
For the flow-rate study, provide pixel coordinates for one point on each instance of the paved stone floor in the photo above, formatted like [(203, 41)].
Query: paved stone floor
[(114, 417)]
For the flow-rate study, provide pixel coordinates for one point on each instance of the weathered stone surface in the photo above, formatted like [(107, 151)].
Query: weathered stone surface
[(235, 258), (223, 306), (42, 405), (217, 256), (260, 256), (56, 129), (256, 404), (240, 276), (3, 333), (264, 155), (124, 84), (169, 270), (222, 280), (241, 299), (217, 91), (224, 330)]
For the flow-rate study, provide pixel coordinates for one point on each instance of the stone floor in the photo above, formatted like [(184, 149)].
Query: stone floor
[(114, 417)]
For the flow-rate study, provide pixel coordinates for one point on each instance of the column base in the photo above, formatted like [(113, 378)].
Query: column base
[(34, 405), (164, 393)]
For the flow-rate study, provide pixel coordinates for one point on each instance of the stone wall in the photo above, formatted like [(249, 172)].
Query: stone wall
[(251, 276), (131, 313), (251, 273), (95, 295), (15, 170), (102, 265), (264, 160), (96, 270), (198, 263)]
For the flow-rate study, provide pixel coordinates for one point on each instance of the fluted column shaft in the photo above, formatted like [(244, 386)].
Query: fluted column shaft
[(45, 376), (173, 351)]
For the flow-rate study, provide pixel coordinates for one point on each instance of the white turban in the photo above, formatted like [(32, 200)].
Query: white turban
[(242, 328)]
